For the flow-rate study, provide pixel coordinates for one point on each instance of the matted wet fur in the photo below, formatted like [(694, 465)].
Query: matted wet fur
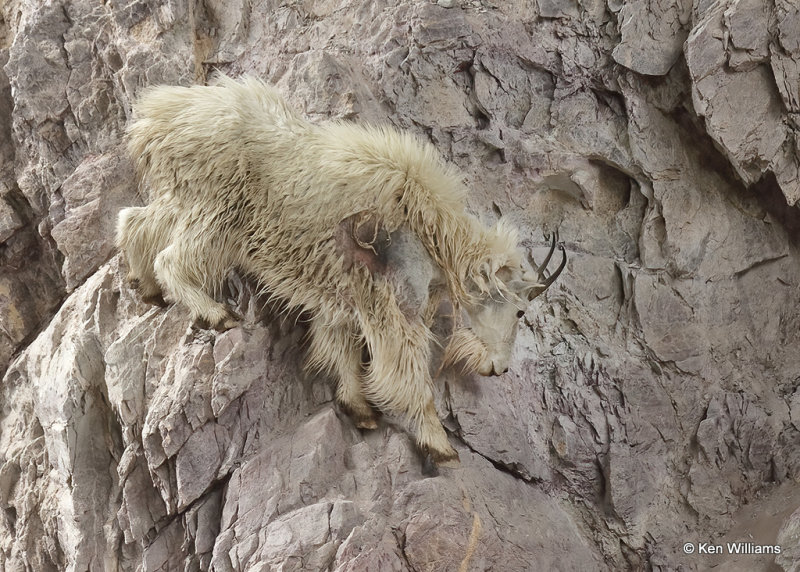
[(237, 179)]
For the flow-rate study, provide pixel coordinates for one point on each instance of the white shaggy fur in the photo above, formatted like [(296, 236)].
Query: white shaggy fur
[(323, 216)]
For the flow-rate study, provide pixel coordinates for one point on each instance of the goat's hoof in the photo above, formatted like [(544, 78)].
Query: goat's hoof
[(429, 468), (155, 300), (227, 323), (448, 459), (366, 422), (363, 416), (133, 283)]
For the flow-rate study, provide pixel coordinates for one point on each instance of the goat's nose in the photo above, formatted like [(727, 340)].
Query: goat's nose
[(496, 372)]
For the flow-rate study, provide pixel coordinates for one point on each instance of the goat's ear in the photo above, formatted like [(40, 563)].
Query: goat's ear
[(505, 274)]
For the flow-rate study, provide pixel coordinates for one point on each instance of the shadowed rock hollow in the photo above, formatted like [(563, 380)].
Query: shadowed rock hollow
[(654, 394)]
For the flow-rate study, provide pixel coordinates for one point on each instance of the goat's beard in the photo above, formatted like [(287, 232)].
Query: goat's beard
[(466, 349)]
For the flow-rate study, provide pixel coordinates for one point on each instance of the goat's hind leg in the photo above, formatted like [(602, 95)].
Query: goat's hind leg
[(184, 277), (335, 348)]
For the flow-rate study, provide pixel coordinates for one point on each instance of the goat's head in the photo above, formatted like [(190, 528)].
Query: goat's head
[(486, 342)]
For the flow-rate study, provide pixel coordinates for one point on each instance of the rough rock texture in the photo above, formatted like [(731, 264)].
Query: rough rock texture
[(654, 397), (744, 62)]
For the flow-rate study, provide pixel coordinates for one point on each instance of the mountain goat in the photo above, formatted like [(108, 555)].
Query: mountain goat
[(362, 227)]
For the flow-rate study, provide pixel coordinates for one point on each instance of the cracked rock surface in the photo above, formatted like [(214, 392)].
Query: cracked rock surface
[(654, 394)]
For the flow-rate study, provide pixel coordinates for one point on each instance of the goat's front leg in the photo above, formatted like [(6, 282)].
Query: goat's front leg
[(141, 233), (186, 274), (398, 377), (336, 348)]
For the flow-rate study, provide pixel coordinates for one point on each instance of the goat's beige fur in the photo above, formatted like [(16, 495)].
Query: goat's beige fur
[(237, 179)]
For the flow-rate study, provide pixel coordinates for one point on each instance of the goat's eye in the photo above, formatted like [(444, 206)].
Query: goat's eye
[(520, 313)]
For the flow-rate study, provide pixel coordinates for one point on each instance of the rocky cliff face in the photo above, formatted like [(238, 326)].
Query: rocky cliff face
[(654, 396)]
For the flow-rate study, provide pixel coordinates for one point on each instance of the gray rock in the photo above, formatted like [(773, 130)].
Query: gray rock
[(558, 8), (92, 195), (652, 34), (9, 221), (742, 84)]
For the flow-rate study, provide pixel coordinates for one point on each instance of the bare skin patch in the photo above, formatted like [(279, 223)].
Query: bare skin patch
[(361, 240)]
